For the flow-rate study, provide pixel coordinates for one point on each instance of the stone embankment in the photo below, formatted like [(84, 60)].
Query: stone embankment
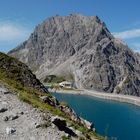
[(116, 97), (108, 96)]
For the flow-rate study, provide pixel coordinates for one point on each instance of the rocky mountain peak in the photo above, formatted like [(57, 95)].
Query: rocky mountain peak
[(83, 48)]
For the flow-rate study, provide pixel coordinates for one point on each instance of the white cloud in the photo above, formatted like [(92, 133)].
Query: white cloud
[(12, 32), (134, 33)]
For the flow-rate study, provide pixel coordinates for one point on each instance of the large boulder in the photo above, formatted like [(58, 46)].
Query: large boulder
[(62, 125), (50, 100)]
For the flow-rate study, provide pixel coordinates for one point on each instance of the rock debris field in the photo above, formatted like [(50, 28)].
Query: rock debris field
[(20, 121)]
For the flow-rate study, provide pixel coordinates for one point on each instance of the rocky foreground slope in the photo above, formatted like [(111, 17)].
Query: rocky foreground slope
[(28, 111), (20, 121), (81, 48)]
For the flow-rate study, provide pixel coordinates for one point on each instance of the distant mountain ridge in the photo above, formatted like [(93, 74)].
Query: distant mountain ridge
[(81, 47)]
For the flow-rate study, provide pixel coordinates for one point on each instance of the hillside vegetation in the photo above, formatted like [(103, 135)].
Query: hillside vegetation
[(17, 77)]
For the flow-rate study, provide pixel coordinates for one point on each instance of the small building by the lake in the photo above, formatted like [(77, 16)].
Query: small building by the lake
[(66, 84)]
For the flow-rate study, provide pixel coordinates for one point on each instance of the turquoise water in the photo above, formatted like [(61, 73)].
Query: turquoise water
[(114, 119)]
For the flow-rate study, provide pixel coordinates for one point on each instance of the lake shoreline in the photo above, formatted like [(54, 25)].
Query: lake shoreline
[(107, 96)]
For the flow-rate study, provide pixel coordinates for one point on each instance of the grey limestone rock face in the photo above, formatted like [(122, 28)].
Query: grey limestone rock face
[(81, 47)]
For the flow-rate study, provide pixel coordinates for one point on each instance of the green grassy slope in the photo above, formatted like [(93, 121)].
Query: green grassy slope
[(18, 78)]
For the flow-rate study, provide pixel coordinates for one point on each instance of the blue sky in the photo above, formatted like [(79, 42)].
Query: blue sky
[(19, 17)]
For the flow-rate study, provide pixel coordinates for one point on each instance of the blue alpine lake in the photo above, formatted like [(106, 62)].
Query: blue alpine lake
[(113, 119)]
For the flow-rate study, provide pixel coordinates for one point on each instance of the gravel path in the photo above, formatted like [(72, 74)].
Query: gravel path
[(20, 121)]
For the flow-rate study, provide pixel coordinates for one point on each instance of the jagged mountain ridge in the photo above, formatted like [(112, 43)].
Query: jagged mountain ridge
[(81, 47)]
